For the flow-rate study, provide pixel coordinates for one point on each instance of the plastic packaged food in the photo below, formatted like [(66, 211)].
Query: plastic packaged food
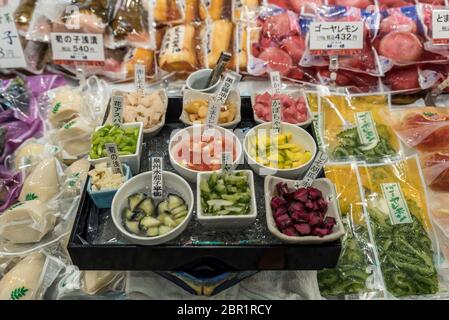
[(276, 44), (131, 25), (85, 16), (23, 15), (45, 13), (177, 52), (9, 187), (139, 56), (240, 48), (355, 271), (355, 82), (298, 5), (435, 168), (401, 41), (425, 129), (215, 38), (403, 79), (400, 223), (366, 61), (357, 128), (169, 11), (215, 9), (244, 10)]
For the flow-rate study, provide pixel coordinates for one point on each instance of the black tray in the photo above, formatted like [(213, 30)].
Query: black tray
[(95, 244)]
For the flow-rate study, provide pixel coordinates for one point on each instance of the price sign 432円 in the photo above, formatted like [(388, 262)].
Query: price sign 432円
[(77, 48)]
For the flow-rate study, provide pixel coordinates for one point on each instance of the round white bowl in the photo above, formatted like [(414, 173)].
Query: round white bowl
[(142, 183), (189, 174), (300, 137)]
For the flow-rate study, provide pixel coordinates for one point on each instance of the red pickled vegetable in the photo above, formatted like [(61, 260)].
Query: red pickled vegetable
[(314, 193), (277, 202), (290, 231), (280, 211), (303, 229), (301, 195), (284, 221)]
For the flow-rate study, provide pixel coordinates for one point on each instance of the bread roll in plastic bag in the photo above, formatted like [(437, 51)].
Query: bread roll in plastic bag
[(215, 9), (215, 38), (170, 11), (424, 129)]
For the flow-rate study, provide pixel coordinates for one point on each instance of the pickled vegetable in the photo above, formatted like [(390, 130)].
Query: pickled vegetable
[(125, 139)]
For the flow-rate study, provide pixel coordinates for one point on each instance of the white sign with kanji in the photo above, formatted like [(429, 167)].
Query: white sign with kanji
[(11, 52), (77, 47)]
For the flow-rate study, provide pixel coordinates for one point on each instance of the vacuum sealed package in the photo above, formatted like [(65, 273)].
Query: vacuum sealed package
[(276, 44), (37, 55), (131, 25), (215, 9), (10, 184), (403, 79), (23, 14), (364, 60), (399, 218), (84, 16), (402, 41), (354, 82), (45, 13), (357, 128), (177, 52), (30, 278), (240, 48), (435, 166), (355, 274), (299, 5), (244, 10), (173, 11), (215, 37), (424, 129), (385, 4), (431, 75)]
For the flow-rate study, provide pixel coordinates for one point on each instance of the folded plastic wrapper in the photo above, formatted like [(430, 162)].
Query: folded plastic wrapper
[(424, 129), (357, 128), (19, 112), (355, 274), (407, 249), (32, 276)]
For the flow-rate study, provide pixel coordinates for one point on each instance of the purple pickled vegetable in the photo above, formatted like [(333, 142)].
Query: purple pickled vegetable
[(310, 205), (284, 221), (300, 216), (302, 229), (320, 232), (329, 223), (300, 195), (290, 231), (315, 220), (314, 193), (282, 189), (322, 205), (277, 202), (280, 211), (296, 206)]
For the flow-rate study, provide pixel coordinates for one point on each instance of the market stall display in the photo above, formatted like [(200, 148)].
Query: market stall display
[(338, 164)]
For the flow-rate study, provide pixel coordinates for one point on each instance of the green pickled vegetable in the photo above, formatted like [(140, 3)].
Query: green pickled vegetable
[(349, 276), (226, 194), (405, 253), (349, 145), (124, 138)]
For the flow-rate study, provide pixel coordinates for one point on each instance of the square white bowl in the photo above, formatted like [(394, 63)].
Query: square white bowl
[(329, 194), (228, 221), (132, 160)]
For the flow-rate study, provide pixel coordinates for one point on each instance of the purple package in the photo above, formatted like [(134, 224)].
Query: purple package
[(10, 186), (20, 118)]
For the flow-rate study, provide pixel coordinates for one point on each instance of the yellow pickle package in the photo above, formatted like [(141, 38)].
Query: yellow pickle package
[(355, 273), (399, 220), (356, 128)]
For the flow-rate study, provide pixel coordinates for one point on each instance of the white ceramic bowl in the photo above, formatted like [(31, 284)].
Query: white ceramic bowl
[(133, 160), (234, 97), (142, 183), (228, 221), (329, 194), (189, 174), (300, 137), (295, 95)]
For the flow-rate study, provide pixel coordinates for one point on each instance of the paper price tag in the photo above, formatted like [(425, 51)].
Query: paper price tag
[(226, 161), (397, 205), (230, 80), (114, 160), (440, 26), (276, 115), (117, 110), (77, 48), (11, 52), (314, 170), (157, 186), (276, 82), (336, 38), (139, 78)]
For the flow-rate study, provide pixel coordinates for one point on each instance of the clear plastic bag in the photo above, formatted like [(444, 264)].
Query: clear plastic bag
[(435, 166), (424, 129), (173, 11), (45, 12), (355, 273), (215, 37), (399, 219), (23, 14), (215, 9), (131, 25), (357, 128)]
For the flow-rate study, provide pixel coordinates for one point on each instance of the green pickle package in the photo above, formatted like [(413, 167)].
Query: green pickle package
[(356, 262), (400, 225), (356, 128)]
